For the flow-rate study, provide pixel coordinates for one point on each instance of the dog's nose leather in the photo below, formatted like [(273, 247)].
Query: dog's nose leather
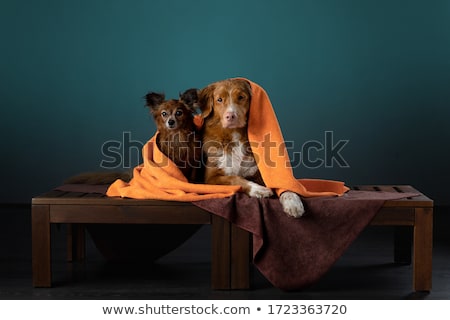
[(230, 116)]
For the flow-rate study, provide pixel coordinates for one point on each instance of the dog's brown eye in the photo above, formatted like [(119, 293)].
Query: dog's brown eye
[(178, 113), (219, 100), (164, 114), (240, 97)]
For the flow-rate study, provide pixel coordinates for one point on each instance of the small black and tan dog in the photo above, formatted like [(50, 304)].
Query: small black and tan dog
[(178, 137)]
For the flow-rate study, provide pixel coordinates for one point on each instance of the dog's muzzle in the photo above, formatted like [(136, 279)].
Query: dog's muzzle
[(171, 123)]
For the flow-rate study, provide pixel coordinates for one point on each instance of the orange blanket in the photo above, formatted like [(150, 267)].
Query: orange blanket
[(159, 178)]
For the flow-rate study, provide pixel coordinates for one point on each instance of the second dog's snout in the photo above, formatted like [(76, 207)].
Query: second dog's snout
[(230, 116), (171, 122)]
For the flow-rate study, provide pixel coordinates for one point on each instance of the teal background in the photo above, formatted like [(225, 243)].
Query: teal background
[(375, 73)]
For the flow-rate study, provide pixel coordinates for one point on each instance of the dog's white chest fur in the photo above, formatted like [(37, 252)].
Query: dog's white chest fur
[(237, 159)]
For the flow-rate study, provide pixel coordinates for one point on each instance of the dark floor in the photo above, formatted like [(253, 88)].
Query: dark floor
[(365, 271)]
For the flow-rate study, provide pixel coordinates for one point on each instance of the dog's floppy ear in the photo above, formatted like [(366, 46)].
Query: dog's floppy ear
[(190, 97), (206, 99), (154, 99), (247, 86)]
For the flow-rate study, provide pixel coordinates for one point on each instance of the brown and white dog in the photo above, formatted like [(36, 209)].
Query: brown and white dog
[(177, 137), (229, 159)]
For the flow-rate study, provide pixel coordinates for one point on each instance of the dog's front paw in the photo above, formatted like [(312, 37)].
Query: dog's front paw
[(292, 204), (258, 191)]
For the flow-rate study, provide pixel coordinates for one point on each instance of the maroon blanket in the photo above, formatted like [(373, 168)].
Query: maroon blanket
[(293, 253)]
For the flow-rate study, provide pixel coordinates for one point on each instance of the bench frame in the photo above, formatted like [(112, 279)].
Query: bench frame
[(231, 246)]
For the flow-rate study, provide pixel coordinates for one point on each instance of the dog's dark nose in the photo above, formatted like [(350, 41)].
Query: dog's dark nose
[(171, 122)]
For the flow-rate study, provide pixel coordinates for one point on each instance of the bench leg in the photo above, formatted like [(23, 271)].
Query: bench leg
[(230, 260), (41, 246), (423, 247), (220, 255), (240, 258)]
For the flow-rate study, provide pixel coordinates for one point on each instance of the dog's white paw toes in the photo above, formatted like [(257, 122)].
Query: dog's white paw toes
[(258, 191), (292, 204)]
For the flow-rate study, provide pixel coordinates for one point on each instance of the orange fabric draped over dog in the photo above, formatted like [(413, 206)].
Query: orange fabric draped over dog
[(267, 143), (159, 178)]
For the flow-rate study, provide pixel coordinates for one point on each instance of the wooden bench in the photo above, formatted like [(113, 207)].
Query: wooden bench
[(231, 246)]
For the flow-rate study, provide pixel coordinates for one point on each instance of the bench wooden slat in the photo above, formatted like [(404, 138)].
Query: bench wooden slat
[(75, 194), (364, 188), (421, 197), (419, 201), (107, 201), (94, 195), (128, 214), (51, 194), (387, 189)]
